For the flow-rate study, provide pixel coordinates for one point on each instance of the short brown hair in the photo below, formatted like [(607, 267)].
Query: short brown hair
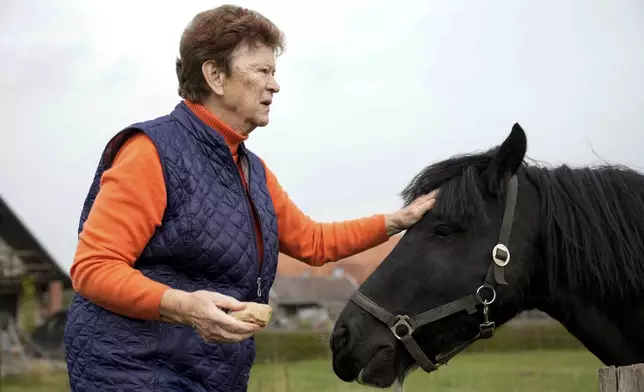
[(214, 35)]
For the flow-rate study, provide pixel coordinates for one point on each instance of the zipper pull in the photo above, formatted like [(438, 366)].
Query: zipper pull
[(259, 287)]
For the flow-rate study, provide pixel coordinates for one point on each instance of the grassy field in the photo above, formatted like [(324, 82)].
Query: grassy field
[(542, 371)]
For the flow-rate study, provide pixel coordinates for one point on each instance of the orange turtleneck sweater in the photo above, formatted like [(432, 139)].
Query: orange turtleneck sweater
[(131, 203)]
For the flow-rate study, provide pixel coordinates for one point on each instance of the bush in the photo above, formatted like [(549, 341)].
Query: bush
[(281, 346), (528, 336)]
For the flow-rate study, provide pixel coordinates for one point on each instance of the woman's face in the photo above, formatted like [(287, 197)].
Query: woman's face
[(249, 88)]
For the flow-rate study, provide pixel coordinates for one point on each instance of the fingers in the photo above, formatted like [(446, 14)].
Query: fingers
[(424, 205), (230, 323), (219, 335), (225, 337), (419, 208), (429, 204), (219, 327), (425, 202), (215, 325), (427, 197), (227, 302), (233, 325)]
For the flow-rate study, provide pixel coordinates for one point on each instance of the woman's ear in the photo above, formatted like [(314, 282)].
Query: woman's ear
[(214, 76)]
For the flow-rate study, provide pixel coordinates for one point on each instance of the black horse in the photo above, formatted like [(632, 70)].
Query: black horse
[(504, 236)]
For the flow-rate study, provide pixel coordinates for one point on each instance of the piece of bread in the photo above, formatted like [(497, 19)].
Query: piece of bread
[(255, 313)]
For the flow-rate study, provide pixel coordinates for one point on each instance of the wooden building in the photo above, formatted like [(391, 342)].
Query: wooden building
[(21, 255)]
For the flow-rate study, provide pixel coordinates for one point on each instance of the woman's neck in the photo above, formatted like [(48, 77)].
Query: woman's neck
[(211, 118)]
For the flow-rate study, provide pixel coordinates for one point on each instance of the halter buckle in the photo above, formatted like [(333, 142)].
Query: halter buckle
[(501, 255), (402, 321)]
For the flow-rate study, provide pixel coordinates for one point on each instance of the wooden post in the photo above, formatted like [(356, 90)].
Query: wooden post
[(621, 379), (608, 379)]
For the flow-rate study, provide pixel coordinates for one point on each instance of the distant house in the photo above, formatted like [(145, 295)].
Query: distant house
[(312, 297), (310, 302), (22, 255)]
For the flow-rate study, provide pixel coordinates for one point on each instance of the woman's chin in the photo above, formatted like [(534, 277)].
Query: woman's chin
[(261, 120)]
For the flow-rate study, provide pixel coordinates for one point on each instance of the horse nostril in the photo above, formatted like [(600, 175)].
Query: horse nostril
[(340, 338), (344, 337)]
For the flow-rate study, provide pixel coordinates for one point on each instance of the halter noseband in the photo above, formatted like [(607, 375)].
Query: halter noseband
[(403, 326)]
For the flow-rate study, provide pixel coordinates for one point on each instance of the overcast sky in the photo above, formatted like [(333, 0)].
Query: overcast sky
[(372, 91)]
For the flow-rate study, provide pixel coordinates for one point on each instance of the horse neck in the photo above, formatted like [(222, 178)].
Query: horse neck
[(613, 335)]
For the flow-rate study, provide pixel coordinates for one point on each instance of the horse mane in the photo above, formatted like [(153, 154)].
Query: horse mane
[(463, 190), (592, 218)]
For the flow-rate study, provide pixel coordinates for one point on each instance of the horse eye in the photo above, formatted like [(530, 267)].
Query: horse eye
[(442, 230)]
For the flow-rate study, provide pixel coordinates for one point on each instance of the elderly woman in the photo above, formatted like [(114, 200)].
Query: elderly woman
[(182, 222)]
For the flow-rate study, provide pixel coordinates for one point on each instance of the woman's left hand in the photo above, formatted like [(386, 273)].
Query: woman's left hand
[(408, 216)]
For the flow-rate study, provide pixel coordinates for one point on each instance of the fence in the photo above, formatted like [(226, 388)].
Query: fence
[(622, 379)]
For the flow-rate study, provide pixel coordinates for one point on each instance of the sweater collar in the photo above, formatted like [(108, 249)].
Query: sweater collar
[(233, 139)]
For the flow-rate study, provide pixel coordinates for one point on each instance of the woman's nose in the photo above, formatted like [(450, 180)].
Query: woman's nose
[(273, 85)]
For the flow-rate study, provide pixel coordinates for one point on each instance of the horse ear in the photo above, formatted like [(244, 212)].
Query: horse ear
[(511, 153)]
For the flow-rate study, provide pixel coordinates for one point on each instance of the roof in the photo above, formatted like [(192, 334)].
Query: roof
[(312, 289), (36, 260), (358, 266)]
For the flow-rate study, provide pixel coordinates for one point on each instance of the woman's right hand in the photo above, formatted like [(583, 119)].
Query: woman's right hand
[(202, 310)]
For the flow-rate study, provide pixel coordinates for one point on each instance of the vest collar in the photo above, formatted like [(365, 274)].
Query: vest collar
[(204, 132)]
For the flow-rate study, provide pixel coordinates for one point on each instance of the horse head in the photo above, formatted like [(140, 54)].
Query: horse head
[(490, 248)]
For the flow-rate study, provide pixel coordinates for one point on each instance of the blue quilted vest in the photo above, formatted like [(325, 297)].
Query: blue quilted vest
[(206, 242)]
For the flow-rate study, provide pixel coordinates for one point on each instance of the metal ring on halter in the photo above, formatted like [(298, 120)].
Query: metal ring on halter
[(402, 320), (484, 301), (497, 260)]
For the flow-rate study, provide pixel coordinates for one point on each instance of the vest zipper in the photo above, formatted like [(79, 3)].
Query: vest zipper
[(252, 205), (249, 206)]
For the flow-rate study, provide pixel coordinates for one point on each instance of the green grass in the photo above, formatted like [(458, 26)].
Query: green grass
[(528, 371)]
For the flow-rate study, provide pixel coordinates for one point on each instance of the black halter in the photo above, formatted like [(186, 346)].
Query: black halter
[(403, 326)]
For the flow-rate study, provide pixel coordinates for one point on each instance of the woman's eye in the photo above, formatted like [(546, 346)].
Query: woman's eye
[(442, 230)]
